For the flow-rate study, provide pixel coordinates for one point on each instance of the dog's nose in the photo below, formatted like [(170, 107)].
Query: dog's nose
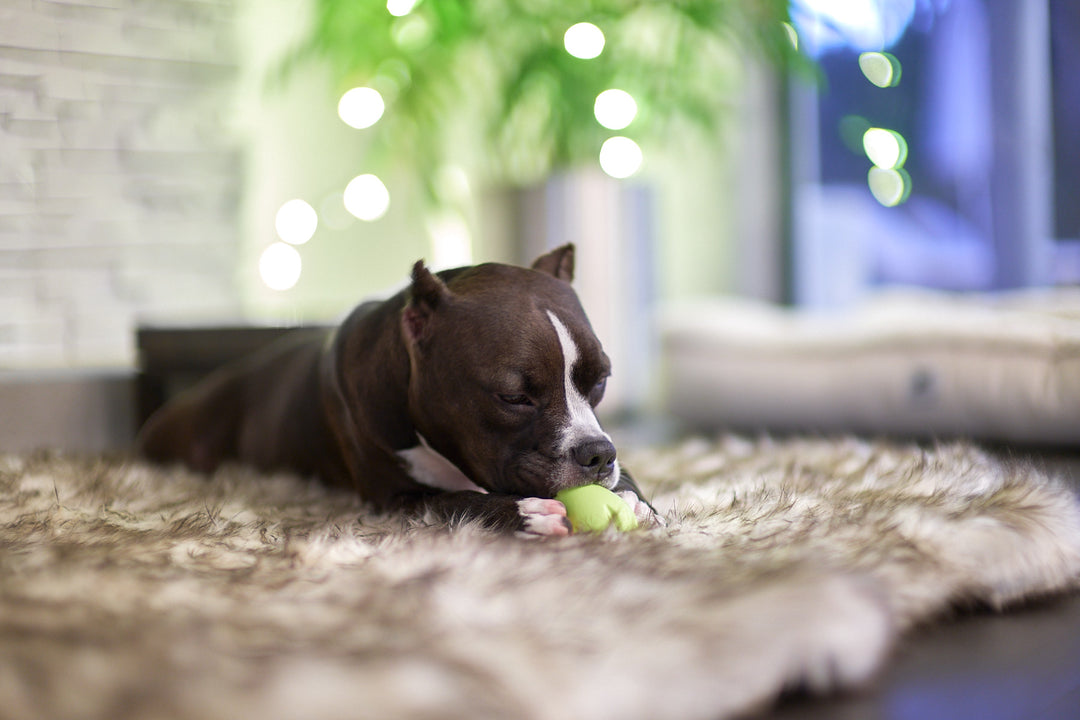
[(597, 456)]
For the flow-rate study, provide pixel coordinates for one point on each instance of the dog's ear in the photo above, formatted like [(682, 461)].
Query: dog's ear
[(559, 262), (426, 294)]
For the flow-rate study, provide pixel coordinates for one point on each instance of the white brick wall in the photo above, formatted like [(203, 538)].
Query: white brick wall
[(119, 180)]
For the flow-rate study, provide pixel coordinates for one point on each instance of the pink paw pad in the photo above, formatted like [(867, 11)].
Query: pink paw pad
[(543, 517)]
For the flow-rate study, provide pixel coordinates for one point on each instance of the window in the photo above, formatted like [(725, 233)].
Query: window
[(945, 179)]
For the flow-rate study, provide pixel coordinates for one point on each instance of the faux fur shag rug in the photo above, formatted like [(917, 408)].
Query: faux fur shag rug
[(128, 591)]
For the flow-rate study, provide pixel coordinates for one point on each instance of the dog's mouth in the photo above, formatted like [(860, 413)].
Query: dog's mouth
[(540, 475)]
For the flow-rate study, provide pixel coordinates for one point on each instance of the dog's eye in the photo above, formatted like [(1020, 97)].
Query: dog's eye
[(515, 399), (597, 393)]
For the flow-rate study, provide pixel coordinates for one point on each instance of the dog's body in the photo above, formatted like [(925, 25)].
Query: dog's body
[(469, 395)]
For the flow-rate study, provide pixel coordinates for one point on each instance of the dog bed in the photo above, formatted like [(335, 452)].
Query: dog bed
[(129, 591), (920, 364)]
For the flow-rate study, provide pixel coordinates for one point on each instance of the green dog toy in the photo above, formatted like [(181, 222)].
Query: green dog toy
[(593, 508)]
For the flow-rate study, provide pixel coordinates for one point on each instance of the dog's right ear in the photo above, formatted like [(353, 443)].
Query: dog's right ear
[(559, 262), (426, 294)]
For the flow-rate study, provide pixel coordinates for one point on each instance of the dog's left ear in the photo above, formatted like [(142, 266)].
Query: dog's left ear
[(559, 262), (426, 294)]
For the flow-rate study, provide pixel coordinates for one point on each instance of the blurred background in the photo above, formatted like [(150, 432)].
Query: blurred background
[(204, 163)]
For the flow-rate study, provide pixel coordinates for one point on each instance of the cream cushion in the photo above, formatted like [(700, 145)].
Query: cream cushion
[(911, 363)]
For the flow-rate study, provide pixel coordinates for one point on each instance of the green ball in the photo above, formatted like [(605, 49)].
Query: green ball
[(593, 508)]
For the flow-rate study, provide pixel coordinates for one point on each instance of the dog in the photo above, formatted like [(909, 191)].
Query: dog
[(470, 395)]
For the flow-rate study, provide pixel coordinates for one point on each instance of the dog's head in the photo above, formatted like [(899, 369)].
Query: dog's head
[(505, 374)]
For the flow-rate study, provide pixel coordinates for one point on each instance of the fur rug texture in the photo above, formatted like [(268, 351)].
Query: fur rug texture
[(128, 591)]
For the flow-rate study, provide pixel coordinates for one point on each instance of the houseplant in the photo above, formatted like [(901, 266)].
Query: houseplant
[(492, 85)]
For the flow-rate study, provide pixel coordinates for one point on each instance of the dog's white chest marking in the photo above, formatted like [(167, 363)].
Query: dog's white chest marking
[(581, 423), (428, 467)]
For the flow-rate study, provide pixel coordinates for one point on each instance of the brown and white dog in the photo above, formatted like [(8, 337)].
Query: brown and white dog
[(469, 395)]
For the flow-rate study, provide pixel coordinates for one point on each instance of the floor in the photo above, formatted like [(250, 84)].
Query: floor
[(1016, 665)]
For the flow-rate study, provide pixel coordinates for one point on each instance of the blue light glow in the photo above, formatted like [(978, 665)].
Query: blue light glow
[(863, 25)]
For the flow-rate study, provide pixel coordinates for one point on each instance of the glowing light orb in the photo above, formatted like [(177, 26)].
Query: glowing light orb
[(792, 34), (584, 41), (400, 8), (280, 266), (880, 68), (366, 197), (890, 187), (620, 157), (296, 221), (615, 109), (361, 107), (886, 148)]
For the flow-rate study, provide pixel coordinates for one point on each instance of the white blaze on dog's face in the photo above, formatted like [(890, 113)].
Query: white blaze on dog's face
[(581, 426)]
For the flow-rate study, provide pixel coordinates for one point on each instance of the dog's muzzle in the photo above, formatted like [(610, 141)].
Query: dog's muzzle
[(596, 458)]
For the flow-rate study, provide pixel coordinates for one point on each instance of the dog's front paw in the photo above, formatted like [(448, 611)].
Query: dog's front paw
[(543, 518), (644, 513)]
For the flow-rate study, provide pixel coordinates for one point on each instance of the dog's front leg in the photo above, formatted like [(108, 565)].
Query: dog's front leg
[(529, 515)]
